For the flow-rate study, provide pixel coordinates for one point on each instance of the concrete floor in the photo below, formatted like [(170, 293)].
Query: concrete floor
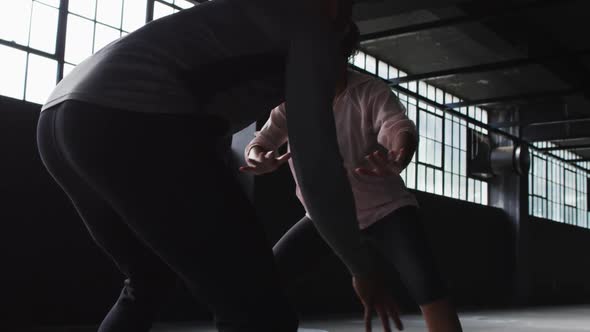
[(559, 319)]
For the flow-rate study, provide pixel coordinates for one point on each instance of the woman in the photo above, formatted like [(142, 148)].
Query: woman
[(370, 119), (119, 135)]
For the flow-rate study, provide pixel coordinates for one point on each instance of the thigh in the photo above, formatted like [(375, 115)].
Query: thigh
[(401, 240), (163, 175), (104, 224)]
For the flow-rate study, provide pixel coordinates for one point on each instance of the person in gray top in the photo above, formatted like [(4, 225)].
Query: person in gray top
[(131, 136)]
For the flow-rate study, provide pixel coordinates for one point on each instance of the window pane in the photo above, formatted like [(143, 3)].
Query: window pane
[(109, 12), (463, 188), (422, 88), (431, 92), (438, 154), (456, 135), (448, 184), (54, 3), (41, 78), (470, 192), (371, 64), (477, 191), (134, 14), (423, 125), (183, 4), (463, 132), (456, 161), (68, 69), (411, 176), (430, 153), (104, 35), (14, 20), (44, 28), (78, 39), (422, 146), (383, 70), (438, 182), (448, 158), (448, 132), (431, 128), (412, 112), (484, 193), (463, 158), (438, 129), (456, 188), (13, 70), (359, 60), (430, 180), (83, 7), (421, 177), (393, 72)]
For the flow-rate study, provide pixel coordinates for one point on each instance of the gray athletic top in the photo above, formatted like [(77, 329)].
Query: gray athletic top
[(230, 58)]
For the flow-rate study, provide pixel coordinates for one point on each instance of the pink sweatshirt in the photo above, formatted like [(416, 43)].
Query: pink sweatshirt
[(368, 117)]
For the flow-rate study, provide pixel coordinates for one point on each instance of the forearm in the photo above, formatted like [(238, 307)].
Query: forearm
[(316, 157)]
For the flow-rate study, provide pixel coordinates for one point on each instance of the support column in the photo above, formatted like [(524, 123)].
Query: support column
[(510, 193)]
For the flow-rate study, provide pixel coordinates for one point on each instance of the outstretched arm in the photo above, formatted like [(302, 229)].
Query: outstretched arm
[(311, 77), (261, 153), (273, 134), (395, 131)]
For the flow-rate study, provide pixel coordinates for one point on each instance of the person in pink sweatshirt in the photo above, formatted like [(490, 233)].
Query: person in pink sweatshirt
[(377, 141)]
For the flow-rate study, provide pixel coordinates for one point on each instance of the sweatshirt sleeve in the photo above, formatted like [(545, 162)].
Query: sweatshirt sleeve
[(388, 115), (273, 134)]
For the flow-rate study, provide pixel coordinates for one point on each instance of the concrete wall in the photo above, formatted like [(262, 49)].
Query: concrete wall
[(559, 264)]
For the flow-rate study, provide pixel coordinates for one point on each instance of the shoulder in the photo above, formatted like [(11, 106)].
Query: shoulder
[(366, 85)]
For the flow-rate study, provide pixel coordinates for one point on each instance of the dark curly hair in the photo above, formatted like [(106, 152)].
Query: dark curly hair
[(351, 42)]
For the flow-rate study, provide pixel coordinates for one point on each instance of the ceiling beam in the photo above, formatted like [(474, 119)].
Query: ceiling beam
[(483, 14), (365, 10), (488, 67), (579, 160), (524, 97), (561, 133), (567, 147), (558, 122)]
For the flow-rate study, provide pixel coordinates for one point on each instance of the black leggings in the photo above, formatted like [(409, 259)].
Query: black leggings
[(398, 239), (156, 197)]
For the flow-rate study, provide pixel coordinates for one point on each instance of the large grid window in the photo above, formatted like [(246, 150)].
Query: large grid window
[(28, 35), (93, 24), (33, 50), (440, 163), (557, 190)]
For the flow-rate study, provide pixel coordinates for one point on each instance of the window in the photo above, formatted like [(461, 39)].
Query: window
[(93, 24), (440, 163), (538, 186), (557, 190), (29, 38)]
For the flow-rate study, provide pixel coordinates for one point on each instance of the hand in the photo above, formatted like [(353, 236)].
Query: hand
[(374, 296), (384, 165), (406, 143), (260, 161)]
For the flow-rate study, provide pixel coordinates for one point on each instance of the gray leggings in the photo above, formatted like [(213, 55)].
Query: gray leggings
[(162, 213), (398, 239)]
